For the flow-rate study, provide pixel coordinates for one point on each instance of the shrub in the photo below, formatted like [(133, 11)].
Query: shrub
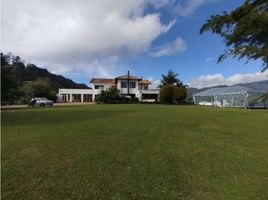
[(135, 100), (37, 88), (179, 94), (108, 96), (172, 94), (112, 96), (166, 94)]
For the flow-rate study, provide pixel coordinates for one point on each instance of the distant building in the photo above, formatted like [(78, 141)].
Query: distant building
[(233, 96), (127, 85)]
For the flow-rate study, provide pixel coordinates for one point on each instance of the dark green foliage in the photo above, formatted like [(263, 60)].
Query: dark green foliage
[(38, 88), (112, 96), (15, 77), (4, 59), (8, 85), (179, 94), (172, 94), (244, 30), (33, 72), (9, 80), (166, 94), (135, 100), (127, 100), (172, 89)]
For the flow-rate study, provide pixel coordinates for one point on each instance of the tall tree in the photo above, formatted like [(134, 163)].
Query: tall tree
[(170, 79), (39, 88), (172, 94), (15, 77), (172, 89), (244, 30), (4, 59), (9, 83)]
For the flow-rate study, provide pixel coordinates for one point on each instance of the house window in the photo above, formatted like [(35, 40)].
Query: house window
[(145, 87), (132, 84), (124, 84), (97, 87)]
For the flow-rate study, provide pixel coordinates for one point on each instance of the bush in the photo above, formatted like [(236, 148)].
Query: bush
[(172, 94), (112, 96), (37, 88), (135, 100), (127, 100), (108, 96), (166, 94), (179, 94)]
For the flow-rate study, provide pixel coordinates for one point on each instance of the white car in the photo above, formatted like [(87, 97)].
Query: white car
[(40, 101)]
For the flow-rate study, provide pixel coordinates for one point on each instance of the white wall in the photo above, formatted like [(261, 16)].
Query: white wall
[(138, 93), (124, 90), (77, 91)]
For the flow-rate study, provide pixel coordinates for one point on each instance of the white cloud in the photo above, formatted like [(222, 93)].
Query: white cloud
[(169, 48), (187, 7), (97, 68), (155, 83), (209, 59), (56, 31), (60, 69), (219, 79), (71, 36)]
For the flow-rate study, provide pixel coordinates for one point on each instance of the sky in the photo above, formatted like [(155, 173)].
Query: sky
[(84, 39)]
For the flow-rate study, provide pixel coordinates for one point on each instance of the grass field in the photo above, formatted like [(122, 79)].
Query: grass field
[(134, 152)]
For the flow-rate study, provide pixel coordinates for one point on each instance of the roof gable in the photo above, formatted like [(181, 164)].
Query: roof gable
[(102, 80), (144, 82), (126, 77)]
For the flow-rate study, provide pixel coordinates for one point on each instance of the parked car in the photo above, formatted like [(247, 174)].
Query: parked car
[(40, 101)]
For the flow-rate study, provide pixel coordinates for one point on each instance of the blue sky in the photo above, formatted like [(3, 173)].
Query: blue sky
[(200, 57), (83, 39)]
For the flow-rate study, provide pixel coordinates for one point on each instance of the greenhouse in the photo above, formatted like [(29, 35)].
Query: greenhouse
[(233, 96)]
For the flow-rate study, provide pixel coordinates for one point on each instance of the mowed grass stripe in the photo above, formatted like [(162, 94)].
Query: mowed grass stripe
[(134, 152)]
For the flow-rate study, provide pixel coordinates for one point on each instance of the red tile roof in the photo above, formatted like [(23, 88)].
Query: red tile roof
[(102, 80), (144, 82), (126, 77)]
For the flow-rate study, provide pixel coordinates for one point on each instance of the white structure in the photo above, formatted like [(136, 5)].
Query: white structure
[(76, 95), (233, 96), (127, 85)]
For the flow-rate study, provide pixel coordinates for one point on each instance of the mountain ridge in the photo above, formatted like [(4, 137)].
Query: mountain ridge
[(257, 85)]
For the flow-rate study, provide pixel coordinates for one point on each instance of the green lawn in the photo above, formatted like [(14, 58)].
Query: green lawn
[(134, 152)]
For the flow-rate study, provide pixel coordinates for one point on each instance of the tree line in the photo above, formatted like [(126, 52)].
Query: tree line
[(20, 82)]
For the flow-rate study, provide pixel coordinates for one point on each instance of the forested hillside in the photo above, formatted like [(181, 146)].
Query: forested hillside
[(20, 81)]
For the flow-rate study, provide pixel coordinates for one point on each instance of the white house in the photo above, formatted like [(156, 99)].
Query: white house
[(127, 85)]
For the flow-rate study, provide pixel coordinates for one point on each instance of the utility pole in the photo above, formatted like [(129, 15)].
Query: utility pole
[(141, 82), (128, 82)]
